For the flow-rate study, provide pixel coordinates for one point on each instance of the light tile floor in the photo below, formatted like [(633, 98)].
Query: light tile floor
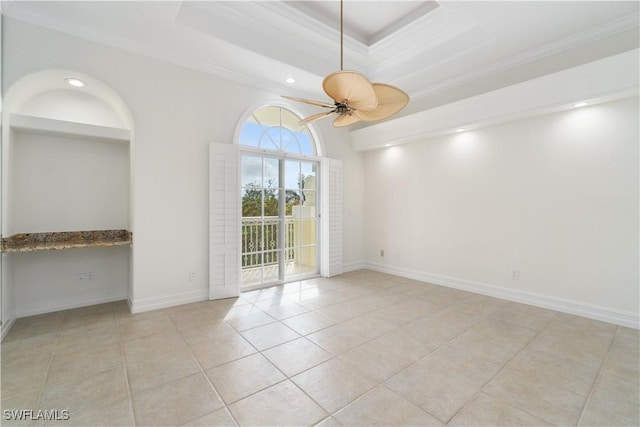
[(363, 348)]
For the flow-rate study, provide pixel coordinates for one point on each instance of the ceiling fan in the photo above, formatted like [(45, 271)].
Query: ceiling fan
[(354, 97)]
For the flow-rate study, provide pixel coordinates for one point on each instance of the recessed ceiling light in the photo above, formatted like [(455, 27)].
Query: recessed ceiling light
[(387, 145), (579, 104), (460, 130), (290, 80), (75, 82)]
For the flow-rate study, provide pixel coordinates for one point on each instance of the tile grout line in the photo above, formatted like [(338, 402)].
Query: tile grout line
[(608, 355), (402, 325), (587, 400), (438, 348), (50, 362), (132, 410), (206, 377), (481, 390), (290, 378), (366, 375)]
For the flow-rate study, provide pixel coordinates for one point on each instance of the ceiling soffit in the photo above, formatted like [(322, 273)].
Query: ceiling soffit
[(455, 50), (362, 22), (286, 32)]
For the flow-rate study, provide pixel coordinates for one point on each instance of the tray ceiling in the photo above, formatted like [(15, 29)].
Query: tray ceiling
[(435, 51)]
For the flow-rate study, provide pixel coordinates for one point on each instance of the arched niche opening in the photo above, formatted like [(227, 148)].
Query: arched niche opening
[(66, 194)]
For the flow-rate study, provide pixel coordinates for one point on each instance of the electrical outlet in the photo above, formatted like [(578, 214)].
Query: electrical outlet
[(87, 278), (515, 274), (192, 276), (382, 253)]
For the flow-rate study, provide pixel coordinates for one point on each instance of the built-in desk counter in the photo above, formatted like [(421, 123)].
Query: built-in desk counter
[(29, 242)]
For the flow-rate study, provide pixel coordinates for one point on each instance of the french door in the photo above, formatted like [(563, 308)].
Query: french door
[(279, 237)]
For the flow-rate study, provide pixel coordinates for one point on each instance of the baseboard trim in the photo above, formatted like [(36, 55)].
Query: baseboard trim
[(6, 327), (68, 303), (353, 266), (609, 315), (148, 304)]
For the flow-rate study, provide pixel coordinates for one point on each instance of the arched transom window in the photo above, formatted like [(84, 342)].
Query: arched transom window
[(276, 128)]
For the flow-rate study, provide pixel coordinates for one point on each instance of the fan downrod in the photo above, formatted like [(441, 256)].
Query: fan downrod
[(370, 102)]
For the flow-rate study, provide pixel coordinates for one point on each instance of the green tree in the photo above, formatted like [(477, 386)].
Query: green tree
[(252, 201), (253, 197)]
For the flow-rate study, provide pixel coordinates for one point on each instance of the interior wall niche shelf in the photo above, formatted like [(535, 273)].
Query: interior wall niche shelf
[(22, 122), (29, 242)]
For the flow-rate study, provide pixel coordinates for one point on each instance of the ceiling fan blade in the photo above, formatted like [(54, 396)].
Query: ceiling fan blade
[(314, 118), (390, 101), (309, 101), (345, 120), (352, 87)]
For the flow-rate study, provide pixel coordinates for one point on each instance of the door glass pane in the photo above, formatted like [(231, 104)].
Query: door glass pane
[(271, 266), (271, 202), (271, 173), (307, 260), (264, 232), (251, 269), (293, 200), (292, 267), (271, 234), (309, 204), (292, 175), (308, 171), (307, 232), (251, 202), (251, 171), (251, 237), (301, 185), (293, 233)]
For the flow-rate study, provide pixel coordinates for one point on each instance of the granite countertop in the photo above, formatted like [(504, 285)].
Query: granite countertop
[(28, 242)]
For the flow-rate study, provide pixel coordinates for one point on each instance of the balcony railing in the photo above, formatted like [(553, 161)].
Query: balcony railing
[(260, 245)]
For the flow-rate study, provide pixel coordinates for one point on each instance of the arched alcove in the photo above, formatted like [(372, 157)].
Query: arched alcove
[(66, 198), (48, 94)]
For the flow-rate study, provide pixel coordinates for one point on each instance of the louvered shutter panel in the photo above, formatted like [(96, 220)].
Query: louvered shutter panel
[(332, 217), (224, 222)]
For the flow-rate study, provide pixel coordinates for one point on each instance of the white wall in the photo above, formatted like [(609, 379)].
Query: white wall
[(47, 280), (68, 184), (177, 113), (555, 197)]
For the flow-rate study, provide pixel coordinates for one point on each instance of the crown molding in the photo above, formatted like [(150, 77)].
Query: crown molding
[(331, 33), (255, 28), (439, 46), (625, 23), (611, 78), (156, 53), (434, 40), (439, 24)]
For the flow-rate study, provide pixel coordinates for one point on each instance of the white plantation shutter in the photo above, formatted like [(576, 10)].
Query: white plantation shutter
[(332, 217), (224, 221)]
